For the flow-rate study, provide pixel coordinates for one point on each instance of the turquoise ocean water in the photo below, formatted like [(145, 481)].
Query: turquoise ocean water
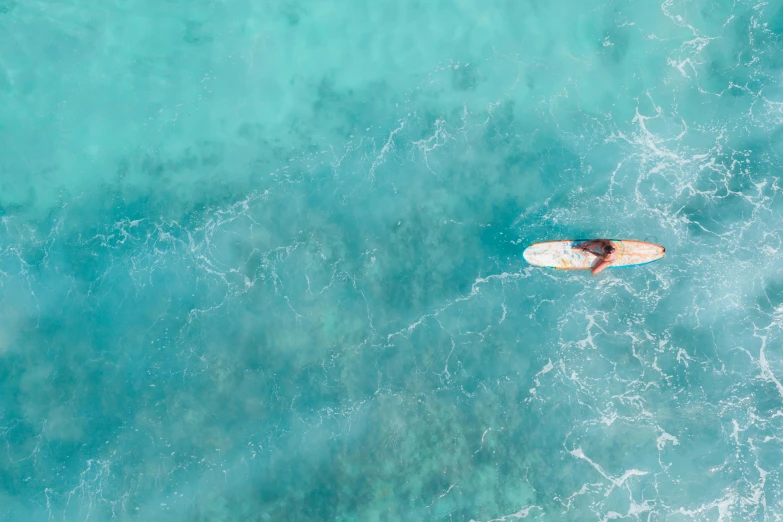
[(261, 260)]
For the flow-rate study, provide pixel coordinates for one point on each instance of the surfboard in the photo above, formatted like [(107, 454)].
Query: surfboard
[(562, 255)]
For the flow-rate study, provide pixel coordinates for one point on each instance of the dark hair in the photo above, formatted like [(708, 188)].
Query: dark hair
[(608, 249)]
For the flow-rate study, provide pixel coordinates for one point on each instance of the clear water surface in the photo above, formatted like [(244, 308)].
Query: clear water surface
[(261, 260)]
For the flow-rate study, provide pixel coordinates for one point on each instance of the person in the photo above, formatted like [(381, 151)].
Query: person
[(604, 251)]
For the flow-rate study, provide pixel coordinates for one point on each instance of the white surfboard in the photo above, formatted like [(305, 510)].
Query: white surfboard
[(562, 255)]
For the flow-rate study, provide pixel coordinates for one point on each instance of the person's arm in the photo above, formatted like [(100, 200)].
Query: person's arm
[(601, 266), (587, 245)]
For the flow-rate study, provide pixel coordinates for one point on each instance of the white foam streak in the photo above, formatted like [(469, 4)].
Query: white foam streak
[(616, 482)]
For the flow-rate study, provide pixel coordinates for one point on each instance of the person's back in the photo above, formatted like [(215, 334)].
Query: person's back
[(604, 251)]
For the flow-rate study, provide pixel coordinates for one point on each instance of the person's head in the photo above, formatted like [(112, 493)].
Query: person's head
[(608, 249)]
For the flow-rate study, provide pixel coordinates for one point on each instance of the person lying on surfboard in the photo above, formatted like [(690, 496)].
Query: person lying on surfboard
[(604, 251)]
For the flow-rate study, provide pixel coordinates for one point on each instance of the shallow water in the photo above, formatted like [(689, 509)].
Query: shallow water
[(262, 260)]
